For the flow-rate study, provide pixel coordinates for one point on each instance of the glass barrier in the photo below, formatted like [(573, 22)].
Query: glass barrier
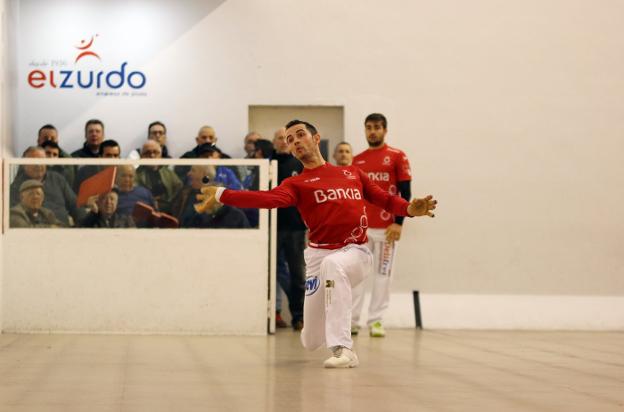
[(145, 194)]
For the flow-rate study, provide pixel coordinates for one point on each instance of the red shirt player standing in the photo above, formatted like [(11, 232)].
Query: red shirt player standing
[(331, 201), (389, 169)]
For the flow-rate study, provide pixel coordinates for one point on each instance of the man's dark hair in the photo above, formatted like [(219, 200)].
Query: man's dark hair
[(377, 117), (50, 143), (108, 143), (265, 146), (156, 123), (46, 127), (307, 125), (93, 121)]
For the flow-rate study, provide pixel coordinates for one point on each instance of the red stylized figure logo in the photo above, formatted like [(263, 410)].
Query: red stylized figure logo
[(85, 49)]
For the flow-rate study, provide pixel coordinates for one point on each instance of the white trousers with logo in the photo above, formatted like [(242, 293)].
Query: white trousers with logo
[(383, 259), (330, 277)]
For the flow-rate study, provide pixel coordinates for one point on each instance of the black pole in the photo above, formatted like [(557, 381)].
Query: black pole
[(417, 310)]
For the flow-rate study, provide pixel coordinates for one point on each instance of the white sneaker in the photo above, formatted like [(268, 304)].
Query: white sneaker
[(342, 358)]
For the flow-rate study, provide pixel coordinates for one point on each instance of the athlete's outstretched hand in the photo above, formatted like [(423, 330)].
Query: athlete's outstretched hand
[(422, 207), (206, 199)]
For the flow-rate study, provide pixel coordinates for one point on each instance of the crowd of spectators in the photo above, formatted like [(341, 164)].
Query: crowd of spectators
[(45, 196)]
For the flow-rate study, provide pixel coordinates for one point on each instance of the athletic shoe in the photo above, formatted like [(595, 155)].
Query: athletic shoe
[(355, 330), (342, 358), (279, 322), (377, 330)]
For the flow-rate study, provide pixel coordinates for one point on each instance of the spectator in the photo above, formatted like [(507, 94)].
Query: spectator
[(291, 233), (59, 197), (155, 131), (160, 180), (94, 135), (246, 173), (30, 211), (343, 154), (263, 150), (52, 150), (224, 175), (129, 192), (105, 214), (109, 149), (49, 135), (216, 218), (206, 134)]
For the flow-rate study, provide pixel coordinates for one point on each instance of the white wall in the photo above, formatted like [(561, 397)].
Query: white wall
[(510, 113)]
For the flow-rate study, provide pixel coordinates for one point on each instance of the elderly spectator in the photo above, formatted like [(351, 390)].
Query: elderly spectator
[(250, 144), (30, 211), (214, 217), (94, 135), (105, 214), (129, 192), (160, 180), (205, 134), (48, 137), (59, 197)]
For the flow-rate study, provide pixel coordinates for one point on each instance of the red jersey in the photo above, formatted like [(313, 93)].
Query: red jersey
[(330, 199), (385, 166)]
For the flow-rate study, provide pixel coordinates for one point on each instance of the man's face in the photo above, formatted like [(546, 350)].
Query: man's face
[(107, 203), (279, 141), (250, 144), (126, 178), (301, 143), (206, 135), (151, 150), (343, 155), (32, 199), (375, 133), (36, 172), (94, 135), (47, 134), (158, 134), (111, 152), (52, 152)]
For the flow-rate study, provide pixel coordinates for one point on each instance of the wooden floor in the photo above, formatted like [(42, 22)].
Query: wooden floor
[(406, 371)]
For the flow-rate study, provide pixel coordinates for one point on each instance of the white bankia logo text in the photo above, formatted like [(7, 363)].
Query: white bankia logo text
[(379, 176), (323, 196)]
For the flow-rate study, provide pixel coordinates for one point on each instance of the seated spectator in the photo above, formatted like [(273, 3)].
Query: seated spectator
[(109, 149), (30, 211), (49, 135), (206, 134), (94, 135), (160, 180), (59, 197), (105, 214), (246, 173), (155, 131), (224, 175), (222, 216), (263, 150), (129, 192)]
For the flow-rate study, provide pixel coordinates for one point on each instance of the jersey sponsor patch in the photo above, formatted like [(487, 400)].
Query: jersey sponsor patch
[(311, 285)]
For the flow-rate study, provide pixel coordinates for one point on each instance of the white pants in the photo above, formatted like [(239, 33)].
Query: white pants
[(383, 259), (330, 276)]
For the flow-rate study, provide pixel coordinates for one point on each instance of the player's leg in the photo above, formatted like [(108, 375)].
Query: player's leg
[(340, 271), (358, 293), (313, 333), (382, 280)]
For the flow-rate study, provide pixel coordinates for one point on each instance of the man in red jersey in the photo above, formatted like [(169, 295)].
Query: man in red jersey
[(389, 169), (330, 200)]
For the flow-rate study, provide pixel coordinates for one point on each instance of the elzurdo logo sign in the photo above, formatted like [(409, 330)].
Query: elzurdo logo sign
[(59, 75)]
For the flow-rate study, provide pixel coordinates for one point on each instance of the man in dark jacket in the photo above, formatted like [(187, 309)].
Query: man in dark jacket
[(291, 232), (94, 135)]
